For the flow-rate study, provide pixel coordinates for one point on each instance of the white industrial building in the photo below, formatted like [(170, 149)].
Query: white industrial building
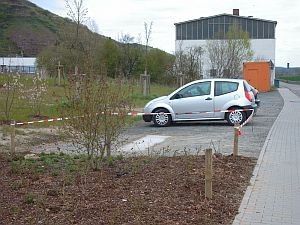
[(25, 65), (197, 32)]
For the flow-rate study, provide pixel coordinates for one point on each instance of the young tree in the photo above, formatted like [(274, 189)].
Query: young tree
[(97, 106), (111, 58), (130, 55), (98, 115), (148, 31), (158, 65), (188, 62), (227, 55), (10, 88), (77, 12), (35, 94)]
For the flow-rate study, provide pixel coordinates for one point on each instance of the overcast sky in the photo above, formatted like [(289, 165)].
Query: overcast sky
[(128, 16)]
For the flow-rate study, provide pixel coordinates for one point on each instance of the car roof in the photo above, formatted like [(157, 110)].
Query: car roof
[(221, 79), (218, 79)]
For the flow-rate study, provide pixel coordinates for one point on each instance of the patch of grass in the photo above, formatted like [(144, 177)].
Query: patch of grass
[(291, 78), (156, 90), (29, 198), (16, 185), (48, 163), (56, 98)]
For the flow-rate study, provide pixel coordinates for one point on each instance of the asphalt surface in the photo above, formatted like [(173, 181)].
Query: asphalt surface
[(191, 138)]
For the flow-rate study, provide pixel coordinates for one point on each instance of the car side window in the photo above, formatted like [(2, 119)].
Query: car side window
[(225, 87), (198, 89)]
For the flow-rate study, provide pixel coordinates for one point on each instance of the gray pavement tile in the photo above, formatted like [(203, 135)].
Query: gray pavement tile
[(275, 187)]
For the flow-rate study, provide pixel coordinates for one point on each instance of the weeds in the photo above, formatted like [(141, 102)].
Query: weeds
[(29, 198)]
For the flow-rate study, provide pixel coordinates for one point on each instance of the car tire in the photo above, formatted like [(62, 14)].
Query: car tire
[(162, 120), (234, 117)]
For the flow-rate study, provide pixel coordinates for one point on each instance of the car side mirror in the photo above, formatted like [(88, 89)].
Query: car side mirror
[(176, 96)]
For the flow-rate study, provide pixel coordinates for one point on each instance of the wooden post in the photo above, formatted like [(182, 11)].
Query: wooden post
[(181, 80), (12, 138), (58, 71), (77, 85), (236, 140), (208, 173), (145, 83)]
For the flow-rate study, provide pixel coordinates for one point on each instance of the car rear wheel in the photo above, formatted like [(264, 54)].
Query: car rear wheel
[(235, 117), (161, 119)]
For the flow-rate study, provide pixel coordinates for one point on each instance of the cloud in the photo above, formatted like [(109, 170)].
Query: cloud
[(114, 17)]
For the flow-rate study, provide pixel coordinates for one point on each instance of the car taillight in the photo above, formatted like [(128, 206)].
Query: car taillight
[(248, 96)]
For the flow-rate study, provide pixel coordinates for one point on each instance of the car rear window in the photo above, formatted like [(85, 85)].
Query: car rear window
[(225, 87), (247, 87)]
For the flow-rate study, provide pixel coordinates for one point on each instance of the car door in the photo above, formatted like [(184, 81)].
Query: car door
[(194, 102), (225, 95)]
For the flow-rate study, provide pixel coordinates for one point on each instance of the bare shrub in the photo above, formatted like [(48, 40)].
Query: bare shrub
[(10, 87), (98, 109)]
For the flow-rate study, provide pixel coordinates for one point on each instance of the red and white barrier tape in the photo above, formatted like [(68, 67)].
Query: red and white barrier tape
[(133, 113)]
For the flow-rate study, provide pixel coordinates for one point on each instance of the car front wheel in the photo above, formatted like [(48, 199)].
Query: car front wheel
[(235, 117), (161, 119)]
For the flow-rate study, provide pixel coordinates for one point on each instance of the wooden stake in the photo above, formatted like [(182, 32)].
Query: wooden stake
[(12, 138), (208, 173), (58, 70), (236, 140)]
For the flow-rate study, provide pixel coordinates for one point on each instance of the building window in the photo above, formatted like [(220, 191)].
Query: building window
[(210, 29), (254, 30), (218, 27), (195, 30), (205, 29), (213, 72), (226, 73), (183, 35), (249, 28), (178, 32), (200, 30), (189, 31), (260, 29), (271, 30), (266, 34)]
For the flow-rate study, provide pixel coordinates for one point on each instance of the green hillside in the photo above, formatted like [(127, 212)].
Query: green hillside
[(26, 28)]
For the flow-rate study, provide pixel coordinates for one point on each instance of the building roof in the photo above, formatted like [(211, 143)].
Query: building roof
[(225, 14), (17, 61)]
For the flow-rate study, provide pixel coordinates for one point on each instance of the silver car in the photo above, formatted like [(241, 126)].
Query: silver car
[(205, 99)]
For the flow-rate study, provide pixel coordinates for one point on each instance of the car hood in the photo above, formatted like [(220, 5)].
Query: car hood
[(159, 99), (156, 100)]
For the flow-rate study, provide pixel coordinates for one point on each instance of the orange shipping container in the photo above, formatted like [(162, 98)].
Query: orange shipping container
[(258, 74)]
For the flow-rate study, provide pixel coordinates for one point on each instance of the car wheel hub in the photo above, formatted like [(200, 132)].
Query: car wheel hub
[(162, 119), (236, 117)]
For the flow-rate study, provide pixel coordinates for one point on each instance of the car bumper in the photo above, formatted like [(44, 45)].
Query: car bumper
[(257, 102), (250, 108), (147, 118)]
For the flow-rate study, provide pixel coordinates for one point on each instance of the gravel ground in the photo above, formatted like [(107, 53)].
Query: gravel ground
[(192, 137)]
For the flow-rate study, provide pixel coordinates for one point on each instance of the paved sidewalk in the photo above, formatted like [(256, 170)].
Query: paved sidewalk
[(273, 196)]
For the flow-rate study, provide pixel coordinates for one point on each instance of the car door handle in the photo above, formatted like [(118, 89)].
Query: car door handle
[(209, 98)]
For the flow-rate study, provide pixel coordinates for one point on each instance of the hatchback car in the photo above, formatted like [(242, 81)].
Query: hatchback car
[(205, 99)]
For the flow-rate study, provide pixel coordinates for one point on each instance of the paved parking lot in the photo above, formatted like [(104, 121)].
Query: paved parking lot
[(191, 137)]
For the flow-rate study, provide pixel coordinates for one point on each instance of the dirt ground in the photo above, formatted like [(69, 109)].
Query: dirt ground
[(139, 190)]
